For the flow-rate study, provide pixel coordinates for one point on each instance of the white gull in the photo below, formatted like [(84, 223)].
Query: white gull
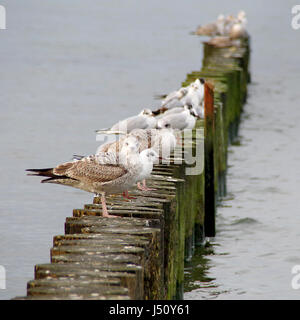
[(181, 120), (144, 120), (191, 95)]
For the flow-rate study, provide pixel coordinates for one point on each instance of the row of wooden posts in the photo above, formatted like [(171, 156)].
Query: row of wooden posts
[(142, 254)]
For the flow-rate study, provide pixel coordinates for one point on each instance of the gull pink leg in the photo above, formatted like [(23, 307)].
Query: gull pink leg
[(145, 188), (127, 196), (104, 208), (139, 186)]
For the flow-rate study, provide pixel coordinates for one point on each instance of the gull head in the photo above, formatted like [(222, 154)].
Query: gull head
[(198, 83), (163, 124), (131, 145), (150, 155), (183, 91), (191, 109), (188, 107), (241, 15), (146, 112), (129, 153), (221, 17), (230, 18)]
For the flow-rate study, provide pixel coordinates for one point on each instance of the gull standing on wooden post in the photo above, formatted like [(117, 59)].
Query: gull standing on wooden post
[(90, 175), (162, 141)]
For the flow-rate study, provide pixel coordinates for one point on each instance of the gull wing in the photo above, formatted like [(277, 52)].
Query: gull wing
[(89, 169)]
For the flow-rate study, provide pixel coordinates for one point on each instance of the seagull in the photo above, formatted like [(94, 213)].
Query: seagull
[(90, 175), (162, 141), (170, 111), (198, 110), (192, 94), (221, 24), (148, 138), (174, 99), (157, 139), (238, 28), (230, 26), (144, 120), (148, 157), (195, 95), (211, 29), (181, 120)]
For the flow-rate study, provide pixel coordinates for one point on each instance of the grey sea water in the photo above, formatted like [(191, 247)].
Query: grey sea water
[(68, 68)]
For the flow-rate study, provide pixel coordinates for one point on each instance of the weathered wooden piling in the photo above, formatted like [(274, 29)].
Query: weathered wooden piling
[(141, 254), (209, 158)]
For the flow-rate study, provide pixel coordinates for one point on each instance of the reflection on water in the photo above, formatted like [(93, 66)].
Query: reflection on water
[(196, 274), (256, 244), (196, 268), (257, 238)]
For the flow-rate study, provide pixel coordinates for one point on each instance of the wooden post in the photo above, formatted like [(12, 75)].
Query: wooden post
[(209, 131)]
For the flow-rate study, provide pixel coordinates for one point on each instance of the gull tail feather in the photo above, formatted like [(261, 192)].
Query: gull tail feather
[(47, 172)]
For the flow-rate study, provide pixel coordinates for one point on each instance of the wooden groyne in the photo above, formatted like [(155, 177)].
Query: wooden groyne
[(142, 254)]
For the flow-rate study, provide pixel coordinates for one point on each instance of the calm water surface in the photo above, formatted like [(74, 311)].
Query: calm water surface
[(258, 223), (67, 70)]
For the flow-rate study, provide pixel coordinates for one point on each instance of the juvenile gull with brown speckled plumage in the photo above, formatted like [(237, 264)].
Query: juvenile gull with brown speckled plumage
[(90, 175)]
